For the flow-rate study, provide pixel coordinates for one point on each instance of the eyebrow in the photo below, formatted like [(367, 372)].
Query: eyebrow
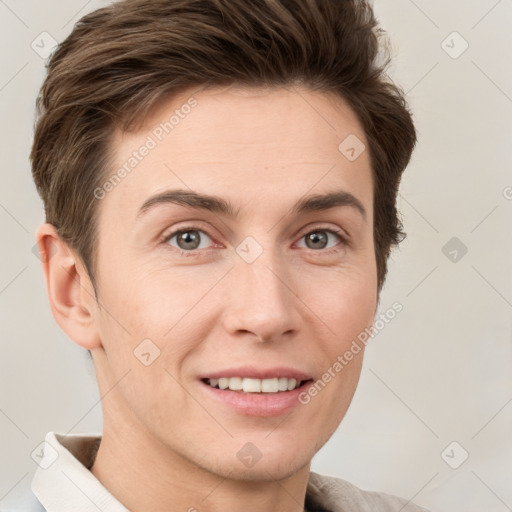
[(216, 204)]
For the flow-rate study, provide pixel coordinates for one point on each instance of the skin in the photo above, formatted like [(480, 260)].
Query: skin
[(166, 444)]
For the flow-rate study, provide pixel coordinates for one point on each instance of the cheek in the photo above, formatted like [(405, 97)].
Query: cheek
[(355, 305), (135, 299), (344, 300), (144, 345), (156, 305)]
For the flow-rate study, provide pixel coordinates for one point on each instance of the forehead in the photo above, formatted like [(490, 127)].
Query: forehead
[(253, 145)]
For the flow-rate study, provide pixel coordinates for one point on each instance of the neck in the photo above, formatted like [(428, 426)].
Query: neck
[(144, 475)]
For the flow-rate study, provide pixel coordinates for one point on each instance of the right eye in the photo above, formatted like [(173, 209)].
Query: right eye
[(187, 239)]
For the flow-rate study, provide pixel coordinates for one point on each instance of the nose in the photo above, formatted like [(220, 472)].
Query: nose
[(260, 300)]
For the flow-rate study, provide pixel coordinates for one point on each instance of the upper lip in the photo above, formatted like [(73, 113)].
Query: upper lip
[(252, 372)]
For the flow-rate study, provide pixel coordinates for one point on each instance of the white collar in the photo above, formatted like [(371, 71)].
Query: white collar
[(63, 482)]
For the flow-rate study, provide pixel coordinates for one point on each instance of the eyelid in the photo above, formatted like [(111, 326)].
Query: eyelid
[(321, 227), (166, 236)]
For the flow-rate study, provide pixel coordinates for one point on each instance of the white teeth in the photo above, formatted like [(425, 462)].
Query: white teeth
[(248, 385), (251, 385), (236, 384), (270, 385), (282, 384)]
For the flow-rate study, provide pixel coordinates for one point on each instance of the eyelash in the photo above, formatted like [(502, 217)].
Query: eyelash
[(196, 252)]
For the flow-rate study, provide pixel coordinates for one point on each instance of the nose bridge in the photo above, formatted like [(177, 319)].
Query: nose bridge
[(262, 300)]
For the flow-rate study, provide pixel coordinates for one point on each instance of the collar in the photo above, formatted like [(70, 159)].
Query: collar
[(63, 480)]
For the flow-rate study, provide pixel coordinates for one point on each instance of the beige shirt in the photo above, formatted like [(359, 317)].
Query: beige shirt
[(63, 483)]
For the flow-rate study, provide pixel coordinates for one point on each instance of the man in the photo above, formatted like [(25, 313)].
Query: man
[(219, 180)]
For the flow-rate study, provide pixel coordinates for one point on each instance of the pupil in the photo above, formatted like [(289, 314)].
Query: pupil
[(315, 238), (190, 239)]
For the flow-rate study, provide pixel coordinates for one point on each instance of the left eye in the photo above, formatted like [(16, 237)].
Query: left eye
[(318, 239), (188, 239)]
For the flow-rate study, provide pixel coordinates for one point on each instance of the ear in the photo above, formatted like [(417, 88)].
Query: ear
[(70, 291)]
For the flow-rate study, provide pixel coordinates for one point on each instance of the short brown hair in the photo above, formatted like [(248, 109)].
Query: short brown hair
[(120, 60)]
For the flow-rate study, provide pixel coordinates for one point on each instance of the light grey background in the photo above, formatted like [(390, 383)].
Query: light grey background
[(439, 372)]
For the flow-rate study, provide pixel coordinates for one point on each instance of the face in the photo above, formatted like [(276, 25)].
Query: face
[(259, 286)]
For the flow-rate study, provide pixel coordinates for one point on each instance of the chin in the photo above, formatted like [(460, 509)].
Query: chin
[(273, 463), (269, 471)]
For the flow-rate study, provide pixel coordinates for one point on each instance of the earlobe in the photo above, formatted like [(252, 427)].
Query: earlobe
[(69, 288)]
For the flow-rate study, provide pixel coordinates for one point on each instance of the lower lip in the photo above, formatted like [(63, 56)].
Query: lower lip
[(258, 404)]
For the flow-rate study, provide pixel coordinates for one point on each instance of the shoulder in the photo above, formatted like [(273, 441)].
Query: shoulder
[(336, 495)]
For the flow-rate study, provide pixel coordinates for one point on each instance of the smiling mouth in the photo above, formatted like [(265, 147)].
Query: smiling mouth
[(249, 385)]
